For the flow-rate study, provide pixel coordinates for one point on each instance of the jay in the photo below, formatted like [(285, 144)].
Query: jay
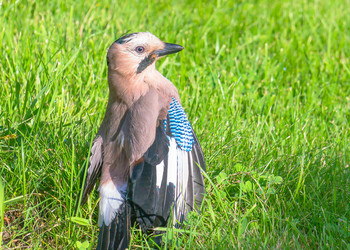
[(146, 154)]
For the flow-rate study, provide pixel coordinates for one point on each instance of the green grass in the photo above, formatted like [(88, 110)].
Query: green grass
[(266, 85)]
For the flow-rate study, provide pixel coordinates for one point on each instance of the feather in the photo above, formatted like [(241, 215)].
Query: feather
[(112, 197), (117, 234), (94, 169)]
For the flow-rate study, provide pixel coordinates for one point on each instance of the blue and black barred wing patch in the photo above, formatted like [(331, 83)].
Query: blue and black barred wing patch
[(180, 127)]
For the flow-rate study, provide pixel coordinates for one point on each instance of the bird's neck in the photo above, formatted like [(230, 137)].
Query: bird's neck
[(156, 80), (129, 88), (126, 89)]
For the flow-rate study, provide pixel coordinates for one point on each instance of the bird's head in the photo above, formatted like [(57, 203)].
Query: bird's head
[(136, 53)]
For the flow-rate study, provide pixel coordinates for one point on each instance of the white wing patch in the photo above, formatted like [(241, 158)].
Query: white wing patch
[(111, 199), (180, 189), (172, 162), (159, 171), (178, 174)]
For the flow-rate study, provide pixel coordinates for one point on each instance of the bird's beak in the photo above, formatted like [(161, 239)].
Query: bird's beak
[(169, 48)]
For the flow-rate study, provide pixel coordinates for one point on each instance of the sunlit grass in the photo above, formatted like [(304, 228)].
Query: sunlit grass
[(265, 85)]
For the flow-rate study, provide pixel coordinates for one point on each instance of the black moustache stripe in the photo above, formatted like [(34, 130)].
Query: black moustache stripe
[(145, 63)]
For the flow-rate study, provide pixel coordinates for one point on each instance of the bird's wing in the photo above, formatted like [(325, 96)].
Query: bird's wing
[(94, 169), (170, 174)]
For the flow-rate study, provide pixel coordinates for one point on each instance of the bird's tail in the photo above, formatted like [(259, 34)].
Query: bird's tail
[(117, 234)]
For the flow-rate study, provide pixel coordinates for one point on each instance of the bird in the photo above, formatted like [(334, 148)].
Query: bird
[(146, 155)]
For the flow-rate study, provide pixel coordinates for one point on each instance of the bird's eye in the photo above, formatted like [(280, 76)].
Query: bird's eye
[(140, 49)]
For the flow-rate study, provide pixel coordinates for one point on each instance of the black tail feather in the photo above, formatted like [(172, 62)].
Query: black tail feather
[(117, 234)]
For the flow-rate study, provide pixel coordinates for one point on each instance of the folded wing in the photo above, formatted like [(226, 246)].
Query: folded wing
[(94, 169)]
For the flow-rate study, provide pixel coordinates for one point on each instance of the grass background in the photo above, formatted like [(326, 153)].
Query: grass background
[(266, 85)]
